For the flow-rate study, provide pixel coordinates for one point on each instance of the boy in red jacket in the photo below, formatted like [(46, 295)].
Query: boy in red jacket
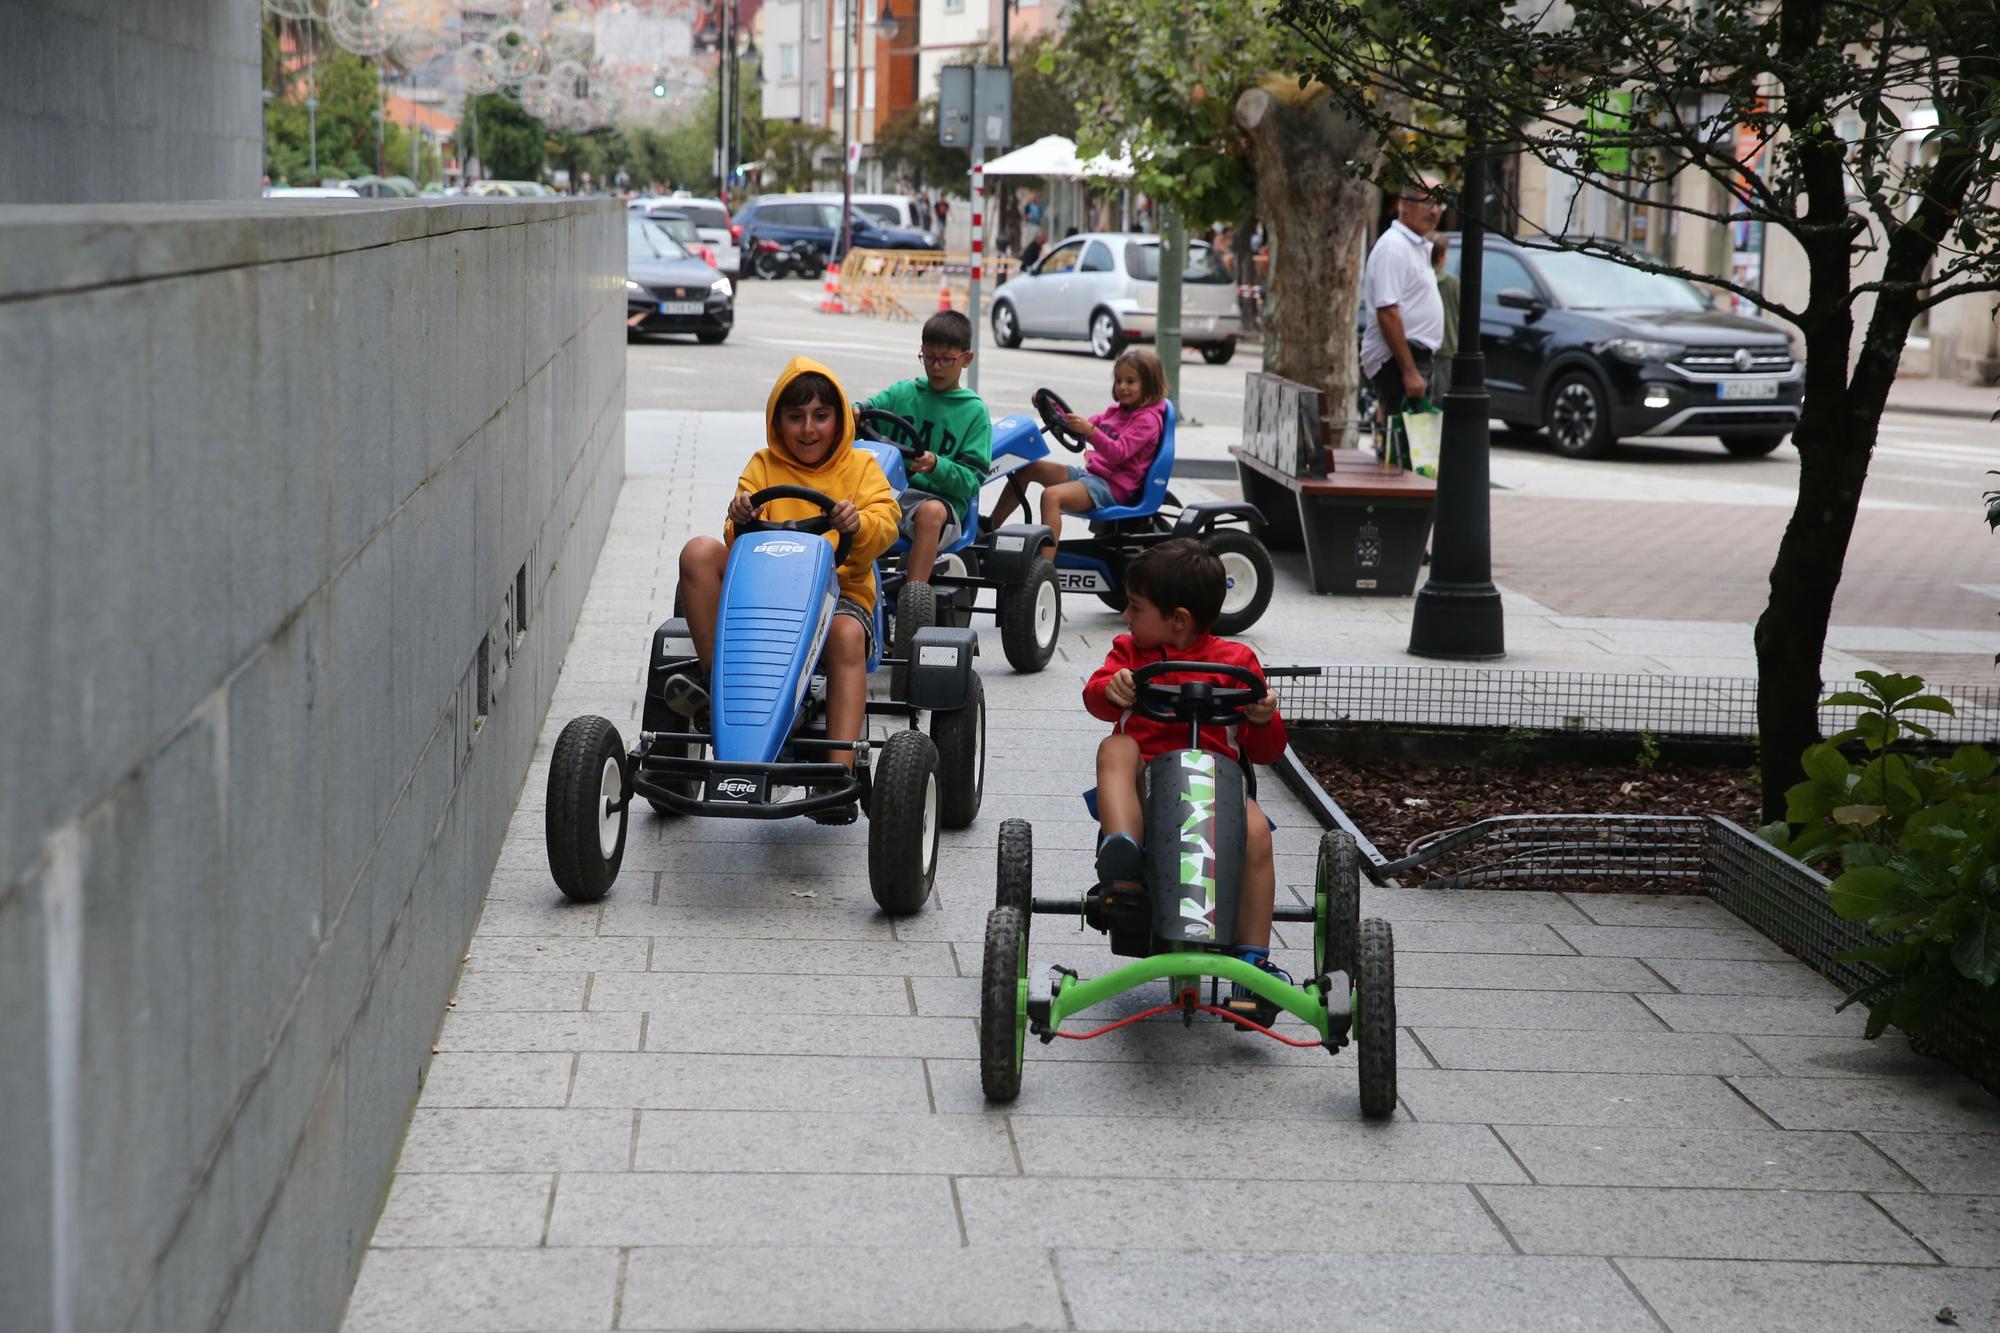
[(1173, 594)]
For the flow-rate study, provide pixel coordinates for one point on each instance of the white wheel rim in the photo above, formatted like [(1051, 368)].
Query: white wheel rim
[(1241, 585), (979, 746), (930, 822), (609, 816), (951, 566), (1100, 335), (1048, 614), (1003, 323)]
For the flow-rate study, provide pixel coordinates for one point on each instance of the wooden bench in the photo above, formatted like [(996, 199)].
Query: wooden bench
[(1363, 524)]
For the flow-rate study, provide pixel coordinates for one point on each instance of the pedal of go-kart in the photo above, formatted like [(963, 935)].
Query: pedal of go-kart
[(1042, 988), (684, 694), (1339, 1007)]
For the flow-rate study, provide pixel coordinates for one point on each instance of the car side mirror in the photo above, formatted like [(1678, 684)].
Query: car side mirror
[(1513, 298)]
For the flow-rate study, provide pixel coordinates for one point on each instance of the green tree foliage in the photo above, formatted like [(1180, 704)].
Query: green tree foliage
[(909, 150), (789, 148), (511, 144), (347, 89), (599, 154), (1162, 76), (1793, 111)]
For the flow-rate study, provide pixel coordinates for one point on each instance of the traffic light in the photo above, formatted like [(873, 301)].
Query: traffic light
[(659, 86)]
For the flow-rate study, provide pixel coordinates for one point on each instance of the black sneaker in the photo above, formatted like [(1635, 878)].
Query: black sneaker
[(1242, 1000), (1120, 860)]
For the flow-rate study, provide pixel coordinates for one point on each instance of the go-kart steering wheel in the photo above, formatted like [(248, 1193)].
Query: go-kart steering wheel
[(813, 527), (1196, 701), (864, 421), (1053, 409)]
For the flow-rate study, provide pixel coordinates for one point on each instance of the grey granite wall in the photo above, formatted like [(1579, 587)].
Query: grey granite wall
[(107, 101), (298, 506)]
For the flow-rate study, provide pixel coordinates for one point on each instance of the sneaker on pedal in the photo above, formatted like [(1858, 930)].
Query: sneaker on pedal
[(1120, 860), (687, 694), (1248, 1003)]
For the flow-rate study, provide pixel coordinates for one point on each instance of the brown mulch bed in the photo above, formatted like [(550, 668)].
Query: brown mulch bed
[(1396, 802)]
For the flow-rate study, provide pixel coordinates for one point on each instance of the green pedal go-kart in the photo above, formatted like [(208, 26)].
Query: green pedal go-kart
[(1180, 922)]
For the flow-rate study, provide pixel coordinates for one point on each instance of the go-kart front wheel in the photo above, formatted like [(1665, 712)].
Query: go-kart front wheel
[(1375, 1018), (1003, 1004), (960, 736), (903, 824), (586, 808), (1031, 618), (1014, 884), (1248, 574), (1337, 904)]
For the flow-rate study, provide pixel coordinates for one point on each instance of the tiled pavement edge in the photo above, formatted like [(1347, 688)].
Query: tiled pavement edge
[(733, 1094)]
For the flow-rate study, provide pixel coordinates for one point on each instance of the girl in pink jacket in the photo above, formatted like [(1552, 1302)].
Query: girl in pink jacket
[(1124, 439)]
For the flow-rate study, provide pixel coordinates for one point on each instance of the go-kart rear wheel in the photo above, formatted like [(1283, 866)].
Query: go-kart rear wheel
[(1375, 1018), (916, 608), (1014, 882), (1249, 575), (585, 810), (1337, 905), (960, 737), (1031, 618), (1003, 1004), (903, 824), (959, 564)]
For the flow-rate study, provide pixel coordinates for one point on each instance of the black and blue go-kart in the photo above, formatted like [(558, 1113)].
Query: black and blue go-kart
[(1118, 534), (1025, 603), (1179, 922), (754, 744)]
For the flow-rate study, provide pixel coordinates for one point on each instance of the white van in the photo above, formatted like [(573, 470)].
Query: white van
[(898, 210)]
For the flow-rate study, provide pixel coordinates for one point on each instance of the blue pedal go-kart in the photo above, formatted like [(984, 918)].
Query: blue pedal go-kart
[(1118, 534), (1170, 902), (1026, 603), (754, 746)]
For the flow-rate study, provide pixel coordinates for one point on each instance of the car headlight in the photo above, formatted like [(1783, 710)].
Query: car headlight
[(720, 287), (1639, 350), (634, 289)]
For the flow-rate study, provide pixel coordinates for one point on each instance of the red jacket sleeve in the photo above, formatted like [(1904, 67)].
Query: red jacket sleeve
[(1095, 701), (1265, 744)]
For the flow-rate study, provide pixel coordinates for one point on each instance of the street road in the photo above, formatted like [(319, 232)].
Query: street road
[(1670, 529)]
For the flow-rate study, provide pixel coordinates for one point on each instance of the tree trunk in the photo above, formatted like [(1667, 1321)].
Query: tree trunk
[(1315, 215)]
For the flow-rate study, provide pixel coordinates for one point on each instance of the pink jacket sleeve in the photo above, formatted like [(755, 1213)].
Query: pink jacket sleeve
[(1140, 438)]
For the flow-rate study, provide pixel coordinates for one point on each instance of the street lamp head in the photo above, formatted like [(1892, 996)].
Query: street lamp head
[(887, 24)]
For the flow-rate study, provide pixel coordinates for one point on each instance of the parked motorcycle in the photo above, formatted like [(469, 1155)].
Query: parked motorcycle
[(772, 259)]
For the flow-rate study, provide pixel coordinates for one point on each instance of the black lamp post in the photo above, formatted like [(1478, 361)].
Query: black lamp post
[(1458, 613)]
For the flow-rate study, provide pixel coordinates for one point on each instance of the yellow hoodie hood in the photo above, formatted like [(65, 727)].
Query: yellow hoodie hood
[(846, 473), (805, 365)]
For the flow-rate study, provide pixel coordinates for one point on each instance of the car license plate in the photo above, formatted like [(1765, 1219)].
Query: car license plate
[(680, 307), (1206, 324), (1729, 389)]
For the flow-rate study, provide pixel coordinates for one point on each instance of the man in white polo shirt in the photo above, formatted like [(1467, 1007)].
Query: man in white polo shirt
[(1401, 291)]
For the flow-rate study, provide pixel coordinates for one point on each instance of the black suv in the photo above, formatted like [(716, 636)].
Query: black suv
[(1593, 351), (786, 221)]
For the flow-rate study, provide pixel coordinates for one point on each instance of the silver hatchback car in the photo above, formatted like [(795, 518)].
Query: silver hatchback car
[(1103, 287)]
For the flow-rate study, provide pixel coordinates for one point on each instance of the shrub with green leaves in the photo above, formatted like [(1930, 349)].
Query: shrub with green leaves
[(1918, 843)]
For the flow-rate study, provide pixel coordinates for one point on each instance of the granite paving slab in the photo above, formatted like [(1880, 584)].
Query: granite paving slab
[(1721, 1296)]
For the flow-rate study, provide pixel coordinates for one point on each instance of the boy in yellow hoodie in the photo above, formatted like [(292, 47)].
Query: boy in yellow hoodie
[(809, 433)]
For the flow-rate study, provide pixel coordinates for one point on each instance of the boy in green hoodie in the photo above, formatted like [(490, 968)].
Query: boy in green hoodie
[(955, 434)]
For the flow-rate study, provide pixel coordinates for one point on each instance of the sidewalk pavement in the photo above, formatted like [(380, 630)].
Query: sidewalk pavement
[(734, 1095), (1943, 398)]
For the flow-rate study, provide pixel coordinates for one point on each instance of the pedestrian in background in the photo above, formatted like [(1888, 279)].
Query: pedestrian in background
[(1032, 250), (1406, 316), (1448, 294)]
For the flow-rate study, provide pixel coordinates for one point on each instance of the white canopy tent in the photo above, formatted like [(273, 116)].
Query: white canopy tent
[(1054, 157)]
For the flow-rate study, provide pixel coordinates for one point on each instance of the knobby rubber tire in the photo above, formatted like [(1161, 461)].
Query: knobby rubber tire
[(1337, 936), (1014, 882), (1235, 541), (960, 737), (902, 833), (1375, 1018), (1001, 1023), (1017, 619), (916, 608), (571, 808)]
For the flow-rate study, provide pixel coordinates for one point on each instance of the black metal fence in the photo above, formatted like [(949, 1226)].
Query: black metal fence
[(1581, 702)]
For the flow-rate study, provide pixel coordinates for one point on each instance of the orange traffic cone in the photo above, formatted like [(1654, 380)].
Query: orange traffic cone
[(944, 290), (829, 298)]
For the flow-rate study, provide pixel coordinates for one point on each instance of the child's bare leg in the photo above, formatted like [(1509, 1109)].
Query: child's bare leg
[(1071, 496), (1118, 768), (1043, 471), (702, 563), (1260, 881), (846, 658), (926, 525)]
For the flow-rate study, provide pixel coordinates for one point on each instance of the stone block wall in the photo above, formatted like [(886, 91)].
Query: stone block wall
[(117, 100), (298, 506)]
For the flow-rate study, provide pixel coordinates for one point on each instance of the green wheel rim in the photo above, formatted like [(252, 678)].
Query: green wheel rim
[(1321, 912), (1021, 1002)]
